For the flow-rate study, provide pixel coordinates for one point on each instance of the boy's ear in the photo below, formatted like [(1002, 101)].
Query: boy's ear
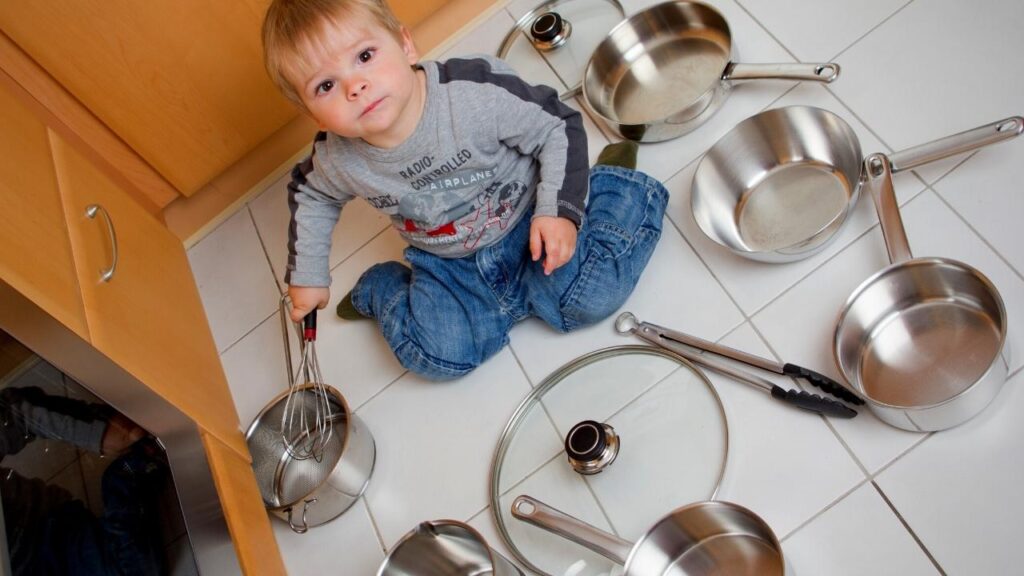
[(409, 47)]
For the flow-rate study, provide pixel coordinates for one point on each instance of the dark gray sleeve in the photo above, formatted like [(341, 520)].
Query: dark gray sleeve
[(314, 213), (534, 121), (29, 413)]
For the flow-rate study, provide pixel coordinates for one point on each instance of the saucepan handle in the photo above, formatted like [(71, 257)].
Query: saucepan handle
[(823, 72), (957, 144), (535, 512), (878, 172)]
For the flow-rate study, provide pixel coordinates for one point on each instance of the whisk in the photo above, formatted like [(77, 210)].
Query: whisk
[(307, 421)]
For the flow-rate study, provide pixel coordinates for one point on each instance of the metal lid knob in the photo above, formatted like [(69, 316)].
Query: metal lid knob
[(549, 31), (591, 446)]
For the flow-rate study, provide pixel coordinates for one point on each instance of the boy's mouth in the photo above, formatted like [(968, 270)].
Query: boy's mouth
[(371, 107)]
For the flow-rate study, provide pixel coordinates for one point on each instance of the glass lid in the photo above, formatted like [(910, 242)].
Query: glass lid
[(617, 438), (559, 36)]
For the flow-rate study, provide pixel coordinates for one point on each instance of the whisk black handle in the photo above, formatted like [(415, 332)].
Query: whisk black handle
[(309, 326)]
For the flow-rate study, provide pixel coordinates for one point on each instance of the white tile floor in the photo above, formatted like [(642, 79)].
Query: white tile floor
[(845, 496)]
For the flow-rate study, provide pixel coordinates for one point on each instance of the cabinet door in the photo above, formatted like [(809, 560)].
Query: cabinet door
[(35, 253), (244, 512), (181, 82), (147, 317)]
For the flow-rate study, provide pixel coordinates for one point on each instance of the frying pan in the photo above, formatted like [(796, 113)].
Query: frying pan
[(665, 70), (923, 340), (780, 184), (699, 539)]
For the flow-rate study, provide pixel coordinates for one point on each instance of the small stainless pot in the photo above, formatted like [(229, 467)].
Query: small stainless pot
[(699, 539), (445, 548), (780, 185), (665, 70), (307, 492), (923, 340)]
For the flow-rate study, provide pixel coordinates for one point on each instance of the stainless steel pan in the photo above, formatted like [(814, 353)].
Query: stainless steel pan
[(923, 340), (445, 548), (699, 539), (666, 69), (780, 184)]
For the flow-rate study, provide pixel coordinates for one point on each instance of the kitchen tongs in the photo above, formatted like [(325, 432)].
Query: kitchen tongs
[(687, 346)]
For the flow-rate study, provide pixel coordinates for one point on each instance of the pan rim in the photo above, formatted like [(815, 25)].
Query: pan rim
[(875, 278)]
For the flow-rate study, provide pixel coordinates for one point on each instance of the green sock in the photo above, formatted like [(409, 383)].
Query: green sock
[(619, 154), (346, 310)]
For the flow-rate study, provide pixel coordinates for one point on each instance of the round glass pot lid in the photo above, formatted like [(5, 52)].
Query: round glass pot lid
[(672, 445), (552, 43)]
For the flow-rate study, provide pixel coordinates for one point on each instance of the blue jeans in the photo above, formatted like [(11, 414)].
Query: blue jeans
[(446, 316), (125, 542)]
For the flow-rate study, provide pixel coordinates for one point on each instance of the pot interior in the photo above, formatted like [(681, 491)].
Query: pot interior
[(921, 333), (780, 181), (658, 64), (708, 538)]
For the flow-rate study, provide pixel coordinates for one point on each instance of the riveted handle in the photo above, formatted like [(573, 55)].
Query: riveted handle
[(533, 511)]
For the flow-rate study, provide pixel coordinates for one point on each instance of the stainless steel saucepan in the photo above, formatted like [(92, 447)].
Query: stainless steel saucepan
[(780, 184), (923, 340), (445, 548), (699, 539), (665, 70)]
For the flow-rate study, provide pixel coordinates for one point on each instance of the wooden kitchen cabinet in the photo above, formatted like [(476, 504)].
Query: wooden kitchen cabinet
[(181, 82), (35, 251), (147, 317)]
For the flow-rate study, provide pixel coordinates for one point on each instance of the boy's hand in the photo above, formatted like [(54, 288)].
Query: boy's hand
[(555, 237), (306, 298), (119, 435)]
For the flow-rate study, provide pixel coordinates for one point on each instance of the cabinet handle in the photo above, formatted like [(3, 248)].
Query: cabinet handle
[(90, 211)]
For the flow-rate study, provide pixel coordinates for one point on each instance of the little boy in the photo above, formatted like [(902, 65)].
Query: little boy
[(483, 175)]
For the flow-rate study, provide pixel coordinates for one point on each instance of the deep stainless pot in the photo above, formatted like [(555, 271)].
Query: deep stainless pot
[(699, 539), (445, 548), (665, 70), (779, 185), (923, 340), (307, 492)]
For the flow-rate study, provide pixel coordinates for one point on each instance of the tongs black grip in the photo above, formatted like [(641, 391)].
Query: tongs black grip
[(824, 382), (813, 402)]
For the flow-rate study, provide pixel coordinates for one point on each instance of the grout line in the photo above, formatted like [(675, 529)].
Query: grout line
[(379, 392), (906, 525), (825, 509), (767, 31), (924, 436), (872, 29), (263, 246), (360, 248), (373, 524), (977, 233)]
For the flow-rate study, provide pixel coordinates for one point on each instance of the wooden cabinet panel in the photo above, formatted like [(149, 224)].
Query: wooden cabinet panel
[(181, 82), (246, 516), (148, 318), (35, 253)]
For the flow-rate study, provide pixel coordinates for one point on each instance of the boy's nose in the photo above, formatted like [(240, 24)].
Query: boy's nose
[(355, 88)]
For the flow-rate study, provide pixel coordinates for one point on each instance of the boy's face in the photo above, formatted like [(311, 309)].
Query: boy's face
[(360, 83)]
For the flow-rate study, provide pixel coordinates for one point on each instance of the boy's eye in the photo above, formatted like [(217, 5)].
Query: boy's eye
[(365, 55), (325, 87)]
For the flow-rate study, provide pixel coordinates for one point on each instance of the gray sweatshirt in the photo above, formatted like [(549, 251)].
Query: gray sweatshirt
[(487, 148)]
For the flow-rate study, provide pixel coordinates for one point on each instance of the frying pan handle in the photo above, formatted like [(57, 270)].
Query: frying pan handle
[(535, 512), (878, 172), (957, 144), (826, 72)]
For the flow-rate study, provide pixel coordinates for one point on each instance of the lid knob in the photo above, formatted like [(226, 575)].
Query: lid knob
[(549, 31), (591, 446), (546, 27)]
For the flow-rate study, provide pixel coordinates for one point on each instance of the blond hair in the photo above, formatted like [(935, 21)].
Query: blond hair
[(290, 26)]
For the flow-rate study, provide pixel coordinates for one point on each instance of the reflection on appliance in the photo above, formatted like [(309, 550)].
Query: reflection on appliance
[(84, 489)]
